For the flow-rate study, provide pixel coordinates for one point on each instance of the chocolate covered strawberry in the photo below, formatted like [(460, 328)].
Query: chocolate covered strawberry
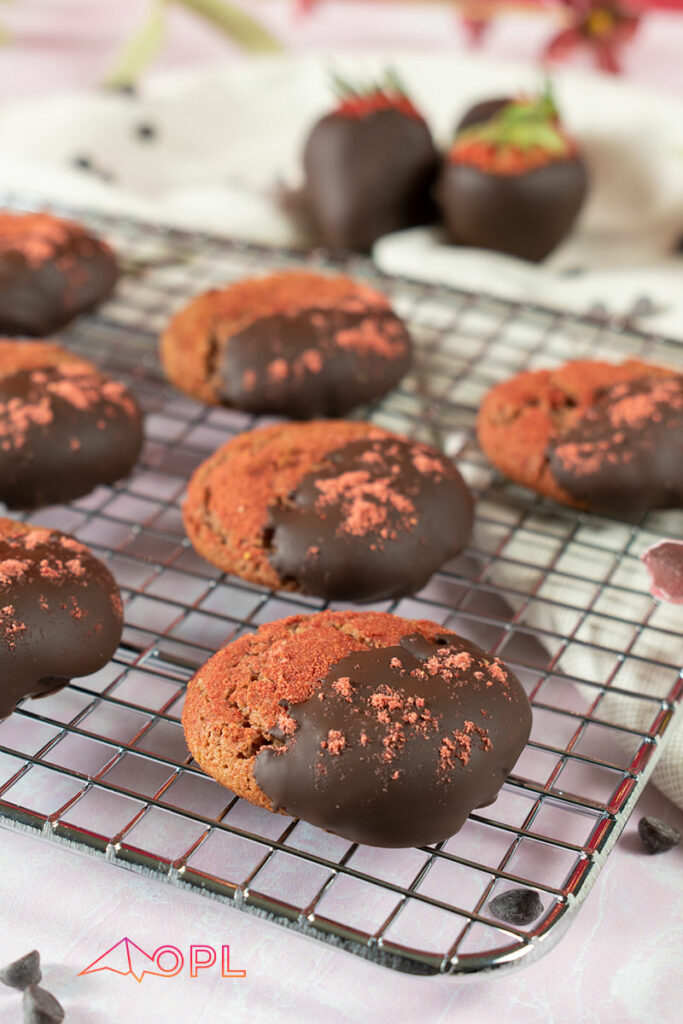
[(515, 182), (370, 166)]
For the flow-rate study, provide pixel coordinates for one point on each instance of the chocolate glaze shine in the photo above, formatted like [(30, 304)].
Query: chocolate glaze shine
[(368, 176), (63, 430), (626, 451), (525, 215), (60, 614), (317, 362), (398, 744), (373, 522)]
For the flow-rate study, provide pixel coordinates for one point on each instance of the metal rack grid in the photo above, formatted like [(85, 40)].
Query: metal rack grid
[(102, 765)]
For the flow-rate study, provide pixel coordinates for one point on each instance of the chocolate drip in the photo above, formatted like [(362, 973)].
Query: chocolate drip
[(60, 614), (374, 521), (317, 362), (626, 451), (398, 744), (63, 431)]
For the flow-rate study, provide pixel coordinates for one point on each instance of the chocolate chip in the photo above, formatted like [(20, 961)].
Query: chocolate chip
[(516, 906), (23, 972), (145, 131), (657, 836), (84, 163), (40, 1007)]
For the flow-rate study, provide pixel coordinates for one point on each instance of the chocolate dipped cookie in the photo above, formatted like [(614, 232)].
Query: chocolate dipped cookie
[(50, 271), (590, 434), (370, 165), (344, 510), (384, 730), (60, 612), (64, 426), (294, 344)]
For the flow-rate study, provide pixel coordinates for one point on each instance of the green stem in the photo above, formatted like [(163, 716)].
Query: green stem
[(141, 49), (235, 23)]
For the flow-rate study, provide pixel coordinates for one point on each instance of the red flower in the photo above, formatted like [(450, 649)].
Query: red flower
[(600, 26)]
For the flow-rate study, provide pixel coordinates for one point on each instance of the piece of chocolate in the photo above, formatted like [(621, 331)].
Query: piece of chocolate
[(60, 612), (374, 521), (41, 1007), (398, 744), (626, 450), (657, 836), (664, 563), (316, 362), (50, 271), (64, 429), (517, 906), (22, 973), (370, 166)]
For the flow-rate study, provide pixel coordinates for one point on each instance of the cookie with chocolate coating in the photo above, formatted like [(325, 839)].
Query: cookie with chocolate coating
[(384, 730), (64, 426), (50, 271), (590, 434), (60, 612), (295, 344), (335, 508)]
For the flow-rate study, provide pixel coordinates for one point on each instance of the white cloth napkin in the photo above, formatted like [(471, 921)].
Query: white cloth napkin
[(225, 138)]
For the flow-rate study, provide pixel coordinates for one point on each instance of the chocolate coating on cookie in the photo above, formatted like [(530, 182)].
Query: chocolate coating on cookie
[(64, 429), (60, 612), (50, 271), (625, 450), (398, 744), (373, 521), (317, 362)]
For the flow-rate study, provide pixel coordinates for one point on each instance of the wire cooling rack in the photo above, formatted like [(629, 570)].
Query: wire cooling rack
[(102, 765)]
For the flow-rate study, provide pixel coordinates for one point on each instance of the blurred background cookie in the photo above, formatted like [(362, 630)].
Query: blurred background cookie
[(384, 730), (64, 426), (297, 344), (50, 271), (590, 434), (339, 509)]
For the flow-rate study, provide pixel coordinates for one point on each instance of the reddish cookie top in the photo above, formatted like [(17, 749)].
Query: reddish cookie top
[(530, 425), (412, 724), (295, 343)]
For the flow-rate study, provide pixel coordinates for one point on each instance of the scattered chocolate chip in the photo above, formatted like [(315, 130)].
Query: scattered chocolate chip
[(657, 836), (40, 1007), (84, 163), (23, 972), (123, 88), (516, 906), (145, 131)]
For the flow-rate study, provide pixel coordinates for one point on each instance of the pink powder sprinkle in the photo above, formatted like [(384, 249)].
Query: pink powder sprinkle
[(11, 569), (368, 338), (35, 539), (497, 671), (310, 360), (343, 687), (426, 464), (396, 663), (278, 370), (336, 741), (75, 567), (249, 380)]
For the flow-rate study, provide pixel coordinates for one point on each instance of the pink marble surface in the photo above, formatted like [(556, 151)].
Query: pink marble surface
[(71, 43), (619, 963)]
